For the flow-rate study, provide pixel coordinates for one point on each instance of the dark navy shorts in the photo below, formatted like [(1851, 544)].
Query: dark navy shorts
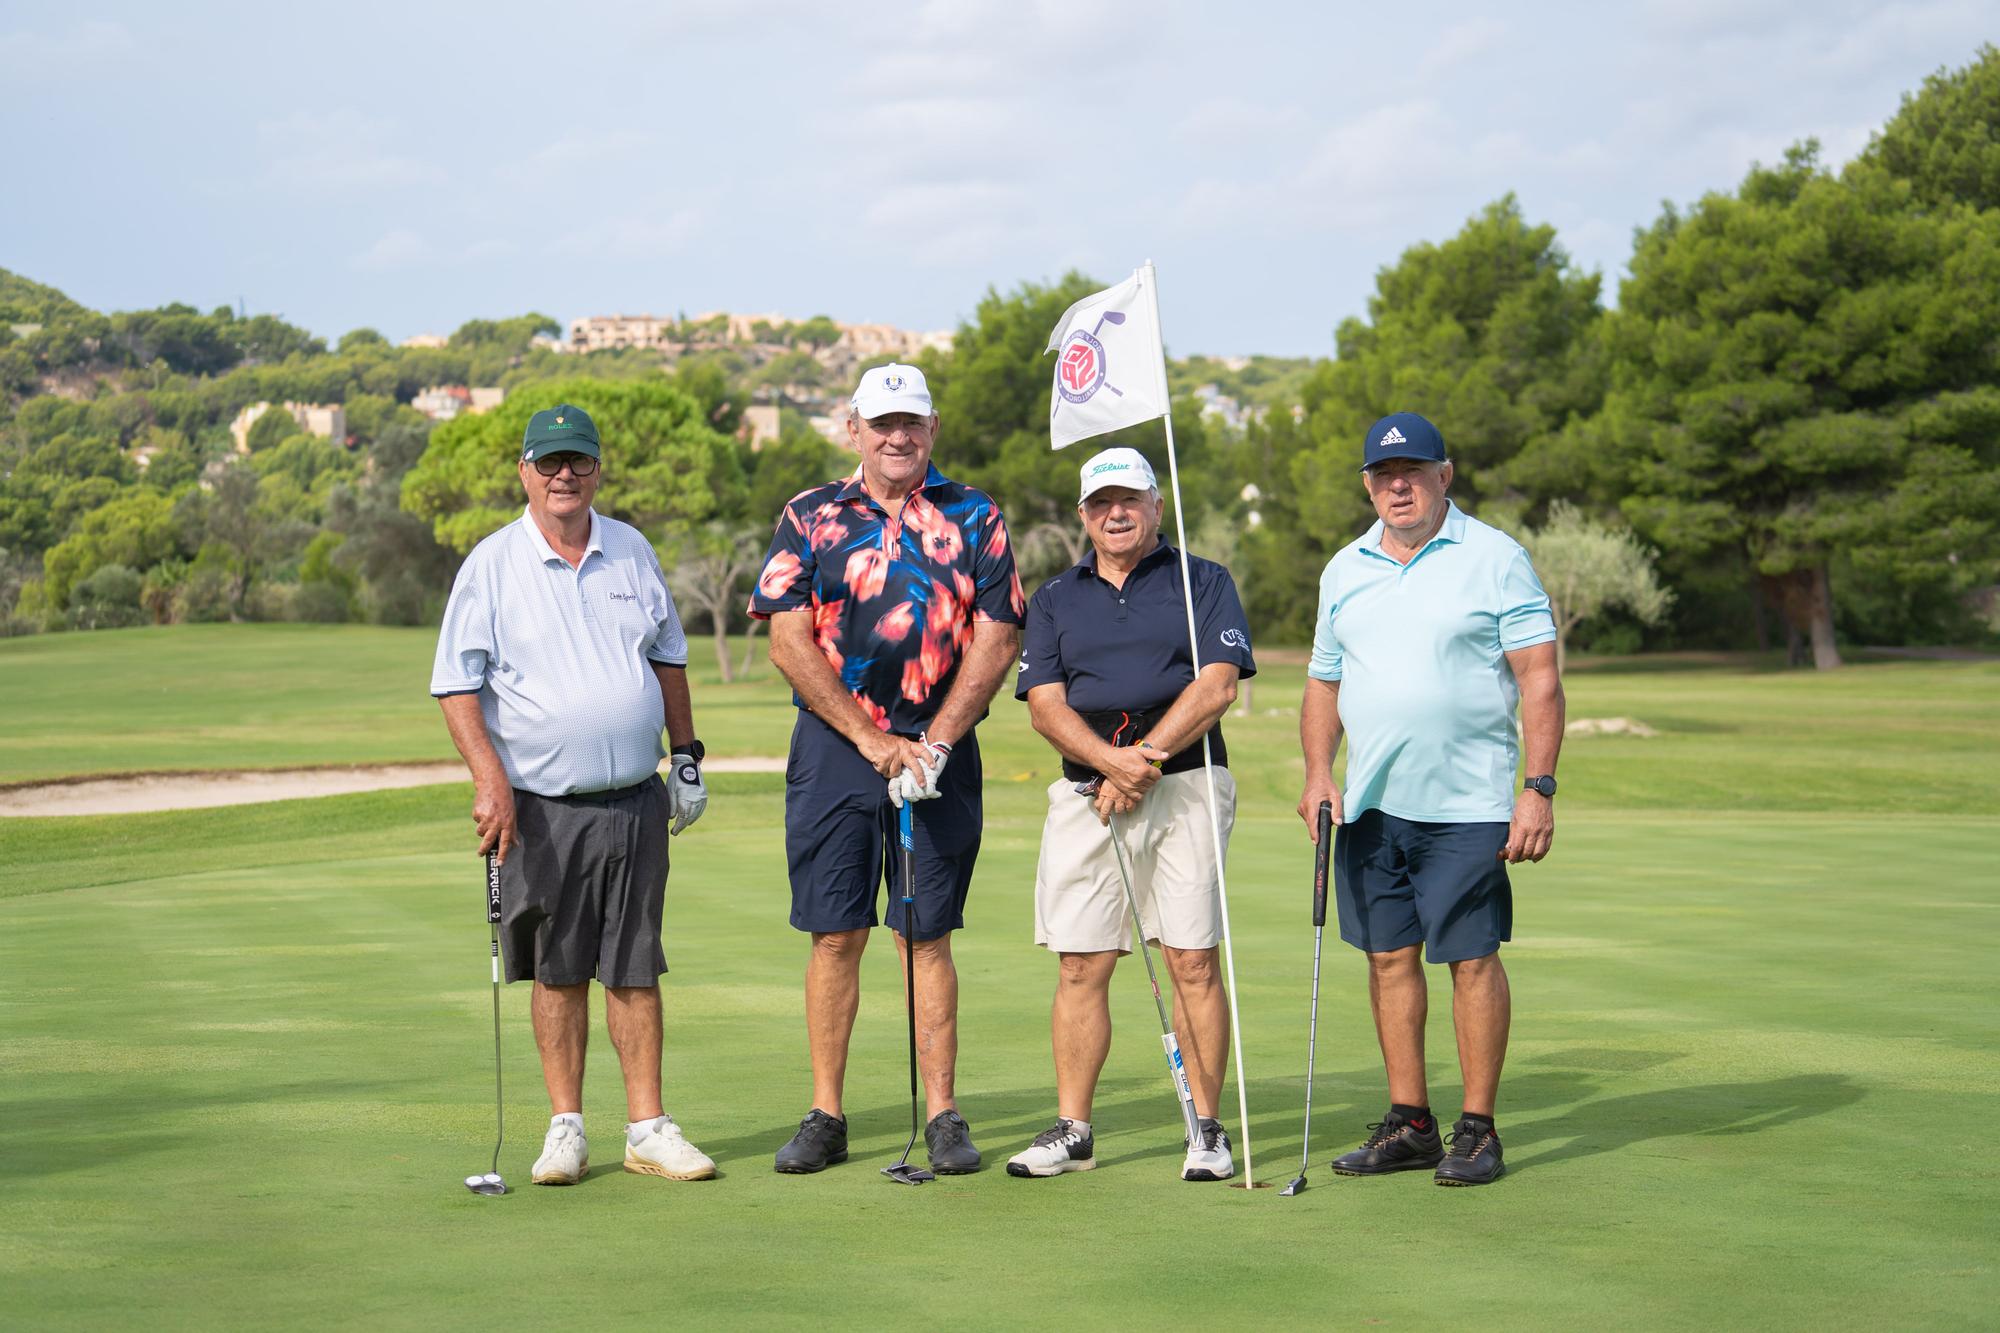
[(1398, 883), (841, 842), (582, 891)]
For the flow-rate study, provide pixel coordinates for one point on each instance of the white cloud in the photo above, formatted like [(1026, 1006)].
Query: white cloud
[(24, 52), (337, 152), (1226, 121), (1462, 42), (633, 235), (397, 249)]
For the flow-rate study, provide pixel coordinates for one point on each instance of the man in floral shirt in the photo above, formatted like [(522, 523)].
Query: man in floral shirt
[(895, 611)]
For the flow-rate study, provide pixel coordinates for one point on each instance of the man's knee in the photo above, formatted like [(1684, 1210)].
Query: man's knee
[(1194, 969), (933, 952), (1086, 971), (1481, 971), (1397, 963), (841, 948)]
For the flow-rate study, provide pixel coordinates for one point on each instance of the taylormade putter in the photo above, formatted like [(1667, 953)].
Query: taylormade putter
[(1321, 852), (491, 1184), (1175, 1067), (902, 1170)]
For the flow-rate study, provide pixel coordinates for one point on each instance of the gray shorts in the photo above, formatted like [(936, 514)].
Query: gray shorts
[(582, 890)]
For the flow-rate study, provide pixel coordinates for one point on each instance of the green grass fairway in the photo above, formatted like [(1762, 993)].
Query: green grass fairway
[(245, 1054)]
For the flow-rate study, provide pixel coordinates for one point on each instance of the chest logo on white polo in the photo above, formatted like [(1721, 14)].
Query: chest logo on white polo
[(624, 596)]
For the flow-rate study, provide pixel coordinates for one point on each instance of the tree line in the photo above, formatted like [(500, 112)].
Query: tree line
[(1786, 429)]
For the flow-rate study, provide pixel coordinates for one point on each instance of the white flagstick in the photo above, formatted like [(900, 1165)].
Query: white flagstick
[(1207, 759)]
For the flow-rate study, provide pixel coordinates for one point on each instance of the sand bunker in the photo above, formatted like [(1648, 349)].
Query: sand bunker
[(135, 792)]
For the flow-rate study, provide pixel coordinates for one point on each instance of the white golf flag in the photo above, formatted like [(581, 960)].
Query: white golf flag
[(1110, 368)]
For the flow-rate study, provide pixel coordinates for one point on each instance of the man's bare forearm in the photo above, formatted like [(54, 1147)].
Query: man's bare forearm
[(1543, 706), (980, 672), (1319, 726), (806, 669), (467, 725), (1197, 708), (677, 703)]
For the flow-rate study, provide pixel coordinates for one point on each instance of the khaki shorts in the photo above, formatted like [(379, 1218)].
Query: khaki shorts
[(1169, 849)]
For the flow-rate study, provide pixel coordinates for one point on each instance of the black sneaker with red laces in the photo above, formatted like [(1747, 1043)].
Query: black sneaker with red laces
[(1473, 1157), (1395, 1144)]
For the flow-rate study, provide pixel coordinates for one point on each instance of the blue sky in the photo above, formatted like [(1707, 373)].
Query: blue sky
[(414, 165)]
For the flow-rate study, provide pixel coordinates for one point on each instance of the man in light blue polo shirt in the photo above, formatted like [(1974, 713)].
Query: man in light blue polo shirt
[(1432, 627), (560, 660)]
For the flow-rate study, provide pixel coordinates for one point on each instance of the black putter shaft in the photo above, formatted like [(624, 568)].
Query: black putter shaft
[(902, 1170), (1322, 854)]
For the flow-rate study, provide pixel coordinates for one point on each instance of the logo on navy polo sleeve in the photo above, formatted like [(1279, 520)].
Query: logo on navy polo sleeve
[(1235, 638)]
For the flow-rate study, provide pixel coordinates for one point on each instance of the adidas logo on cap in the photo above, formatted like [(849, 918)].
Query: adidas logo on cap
[(1395, 436)]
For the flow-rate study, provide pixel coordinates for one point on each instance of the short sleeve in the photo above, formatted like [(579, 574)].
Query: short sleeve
[(1041, 652), (1525, 616), (1219, 618), (670, 645), (786, 580), (465, 640), (1325, 663), (995, 581)]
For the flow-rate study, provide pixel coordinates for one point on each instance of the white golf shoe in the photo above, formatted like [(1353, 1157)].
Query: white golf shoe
[(1059, 1148), (1209, 1159), (565, 1156), (666, 1152)]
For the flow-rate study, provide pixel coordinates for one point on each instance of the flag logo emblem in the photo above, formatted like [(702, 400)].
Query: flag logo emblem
[(1080, 368)]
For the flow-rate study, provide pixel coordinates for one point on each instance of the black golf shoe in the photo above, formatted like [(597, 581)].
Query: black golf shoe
[(949, 1141), (1474, 1158), (820, 1143), (1395, 1144)]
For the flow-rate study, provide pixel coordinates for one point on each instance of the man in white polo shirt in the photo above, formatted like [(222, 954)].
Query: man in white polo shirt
[(1431, 628), (560, 660)]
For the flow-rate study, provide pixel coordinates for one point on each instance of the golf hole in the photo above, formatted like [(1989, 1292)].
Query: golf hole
[(1260, 1185)]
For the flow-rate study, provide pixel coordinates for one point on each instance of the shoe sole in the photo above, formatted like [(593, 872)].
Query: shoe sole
[(556, 1178), (956, 1170), (1385, 1170), (834, 1160), (1455, 1182), (1204, 1174), (640, 1167), (1025, 1172)]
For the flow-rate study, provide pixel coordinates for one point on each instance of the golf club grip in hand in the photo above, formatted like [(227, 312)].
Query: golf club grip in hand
[(1322, 855), (492, 889)]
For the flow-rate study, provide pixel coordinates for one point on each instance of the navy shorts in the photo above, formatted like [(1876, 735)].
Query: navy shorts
[(841, 842), (1398, 882)]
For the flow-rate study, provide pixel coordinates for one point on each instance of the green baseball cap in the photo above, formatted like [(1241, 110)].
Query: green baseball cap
[(564, 429)]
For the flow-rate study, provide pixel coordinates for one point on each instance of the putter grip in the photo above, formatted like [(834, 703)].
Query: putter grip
[(492, 889), (1322, 854)]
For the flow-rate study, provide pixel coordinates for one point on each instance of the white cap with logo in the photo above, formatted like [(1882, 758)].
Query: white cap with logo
[(1117, 467), (892, 388)]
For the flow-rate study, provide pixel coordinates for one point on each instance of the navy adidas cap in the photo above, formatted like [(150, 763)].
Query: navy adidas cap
[(1401, 435)]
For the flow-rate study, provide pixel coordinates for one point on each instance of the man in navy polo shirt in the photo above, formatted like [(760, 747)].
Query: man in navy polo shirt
[(1110, 682), (1431, 628), (895, 612)]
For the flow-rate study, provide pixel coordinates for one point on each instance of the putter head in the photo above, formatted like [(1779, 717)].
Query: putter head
[(1298, 1186), (489, 1184), (908, 1173)]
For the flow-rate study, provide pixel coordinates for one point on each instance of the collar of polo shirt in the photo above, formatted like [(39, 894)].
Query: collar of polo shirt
[(1451, 530), (596, 542)]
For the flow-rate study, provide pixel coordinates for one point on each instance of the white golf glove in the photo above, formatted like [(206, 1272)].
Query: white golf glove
[(907, 786), (687, 795)]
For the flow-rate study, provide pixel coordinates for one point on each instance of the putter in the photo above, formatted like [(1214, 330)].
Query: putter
[(491, 1184), (903, 1171), (1175, 1067), (1321, 852)]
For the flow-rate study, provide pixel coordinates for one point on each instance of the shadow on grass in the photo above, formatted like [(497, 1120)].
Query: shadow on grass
[(1609, 1124)]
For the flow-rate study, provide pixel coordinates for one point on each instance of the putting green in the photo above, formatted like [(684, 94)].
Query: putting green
[(247, 1063)]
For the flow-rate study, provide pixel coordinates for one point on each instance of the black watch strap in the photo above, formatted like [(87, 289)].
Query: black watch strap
[(694, 750), (1543, 784)]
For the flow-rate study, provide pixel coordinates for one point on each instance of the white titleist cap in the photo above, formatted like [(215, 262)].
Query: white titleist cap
[(1117, 467), (892, 388)]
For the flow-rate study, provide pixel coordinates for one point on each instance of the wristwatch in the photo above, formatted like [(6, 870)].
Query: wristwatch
[(694, 750), (1544, 785)]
